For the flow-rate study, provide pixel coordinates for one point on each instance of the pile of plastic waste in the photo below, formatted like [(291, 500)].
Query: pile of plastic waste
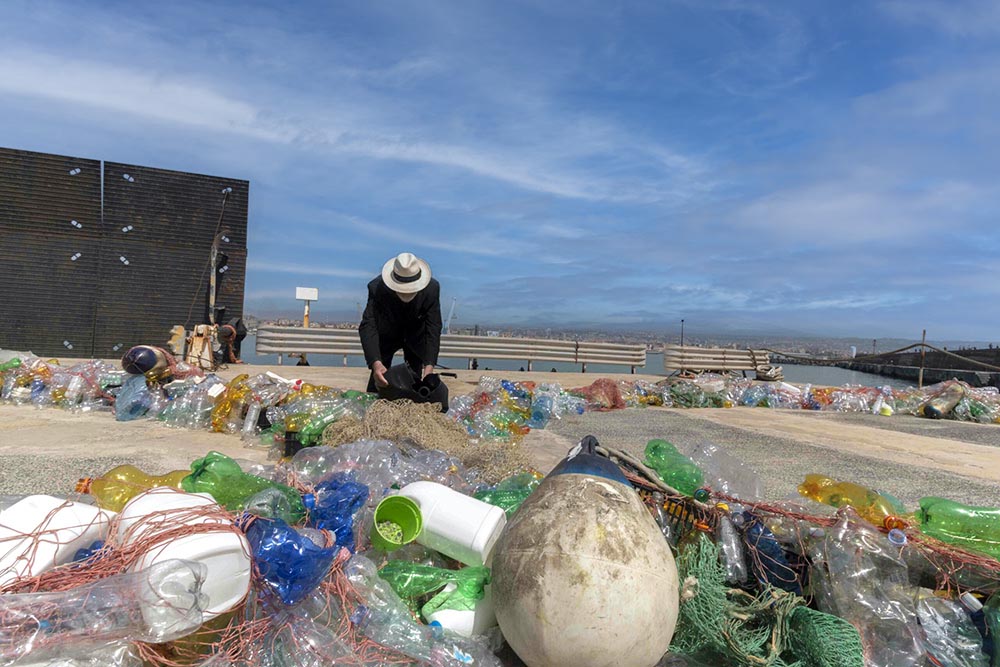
[(952, 399), (372, 553), (507, 410)]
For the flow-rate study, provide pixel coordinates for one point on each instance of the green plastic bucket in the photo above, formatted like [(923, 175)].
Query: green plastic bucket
[(397, 522)]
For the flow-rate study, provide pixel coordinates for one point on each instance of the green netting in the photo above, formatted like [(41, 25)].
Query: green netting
[(722, 625), (824, 640)]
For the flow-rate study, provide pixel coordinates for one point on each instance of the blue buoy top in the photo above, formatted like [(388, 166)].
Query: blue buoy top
[(584, 460)]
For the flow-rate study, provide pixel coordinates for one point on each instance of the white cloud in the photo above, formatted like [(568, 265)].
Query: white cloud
[(71, 81)]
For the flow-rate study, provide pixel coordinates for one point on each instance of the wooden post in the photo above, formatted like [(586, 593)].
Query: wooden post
[(923, 352)]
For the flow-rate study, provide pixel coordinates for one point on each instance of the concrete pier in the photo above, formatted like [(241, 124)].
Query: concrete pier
[(931, 375)]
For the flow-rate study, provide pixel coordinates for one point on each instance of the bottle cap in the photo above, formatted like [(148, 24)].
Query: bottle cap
[(83, 484), (897, 537), (971, 602)]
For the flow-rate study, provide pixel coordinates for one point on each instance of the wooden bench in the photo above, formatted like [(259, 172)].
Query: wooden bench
[(699, 359), (345, 342)]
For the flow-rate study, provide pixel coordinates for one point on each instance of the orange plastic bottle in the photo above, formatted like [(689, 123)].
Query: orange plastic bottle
[(119, 485)]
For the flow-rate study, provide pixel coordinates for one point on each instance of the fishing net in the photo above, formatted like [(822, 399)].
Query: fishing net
[(824, 640), (603, 394), (422, 425), (729, 626)]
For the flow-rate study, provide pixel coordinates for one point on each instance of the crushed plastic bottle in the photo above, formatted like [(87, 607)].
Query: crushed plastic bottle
[(673, 467), (158, 604), (950, 638), (222, 478)]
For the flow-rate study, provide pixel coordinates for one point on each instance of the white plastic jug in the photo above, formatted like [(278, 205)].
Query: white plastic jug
[(455, 524), (38, 533), (470, 622), (224, 553)]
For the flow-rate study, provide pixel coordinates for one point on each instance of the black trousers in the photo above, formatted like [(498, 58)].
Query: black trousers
[(410, 358)]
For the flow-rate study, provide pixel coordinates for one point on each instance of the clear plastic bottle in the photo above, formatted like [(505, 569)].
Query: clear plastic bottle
[(950, 637), (732, 551), (541, 411), (159, 604)]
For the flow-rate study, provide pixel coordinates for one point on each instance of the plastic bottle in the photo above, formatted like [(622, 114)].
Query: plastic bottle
[(977, 614), (227, 416), (455, 524), (249, 430), (541, 411), (133, 400), (10, 364), (223, 479), (119, 485), (673, 467), (950, 637), (770, 565), (941, 404), (732, 551), (872, 506), (966, 526), (38, 533), (156, 605)]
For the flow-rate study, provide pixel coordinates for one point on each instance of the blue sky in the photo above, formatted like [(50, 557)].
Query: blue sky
[(823, 167)]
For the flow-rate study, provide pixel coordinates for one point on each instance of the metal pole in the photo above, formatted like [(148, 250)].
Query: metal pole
[(682, 333), (923, 352), (305, 324)]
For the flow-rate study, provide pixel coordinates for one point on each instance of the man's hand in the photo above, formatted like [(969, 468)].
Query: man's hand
[(427, 370), (379, 369)]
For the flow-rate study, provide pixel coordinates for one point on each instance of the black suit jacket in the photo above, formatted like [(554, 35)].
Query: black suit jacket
[(389, 325)]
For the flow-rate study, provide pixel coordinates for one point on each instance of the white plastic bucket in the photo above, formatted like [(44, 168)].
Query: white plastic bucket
[(38, 533), (455, 524), (224, 553), (470, 622)]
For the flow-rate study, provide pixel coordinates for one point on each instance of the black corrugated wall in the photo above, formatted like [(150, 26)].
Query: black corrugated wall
[(74, 283)]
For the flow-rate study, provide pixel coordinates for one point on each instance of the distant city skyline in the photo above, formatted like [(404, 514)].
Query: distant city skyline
[(771, 166)]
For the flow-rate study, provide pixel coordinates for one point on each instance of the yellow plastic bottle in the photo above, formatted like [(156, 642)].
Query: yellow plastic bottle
[(228, 411), (119, 485), (871, 505)]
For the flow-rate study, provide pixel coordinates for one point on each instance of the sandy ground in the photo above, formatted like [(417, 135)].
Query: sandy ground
[(48, 450)]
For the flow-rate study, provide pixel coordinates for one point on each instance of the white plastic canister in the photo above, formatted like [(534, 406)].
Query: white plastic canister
[(470, 622), (224, 553), (455, 524), (37, 533)]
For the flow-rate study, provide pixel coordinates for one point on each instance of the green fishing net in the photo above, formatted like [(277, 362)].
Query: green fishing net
[(727, 626)]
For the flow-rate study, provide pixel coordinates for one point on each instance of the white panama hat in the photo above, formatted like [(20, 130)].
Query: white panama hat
[(406, 274)]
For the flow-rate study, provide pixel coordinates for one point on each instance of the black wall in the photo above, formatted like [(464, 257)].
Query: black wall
[(161, 222)]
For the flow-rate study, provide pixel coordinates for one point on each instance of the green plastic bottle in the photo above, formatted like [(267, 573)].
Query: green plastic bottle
[(10, 365), (966, 526), (222, 478), (673, 467)]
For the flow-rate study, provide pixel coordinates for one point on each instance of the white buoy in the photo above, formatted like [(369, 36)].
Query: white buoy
[(582, 575)]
